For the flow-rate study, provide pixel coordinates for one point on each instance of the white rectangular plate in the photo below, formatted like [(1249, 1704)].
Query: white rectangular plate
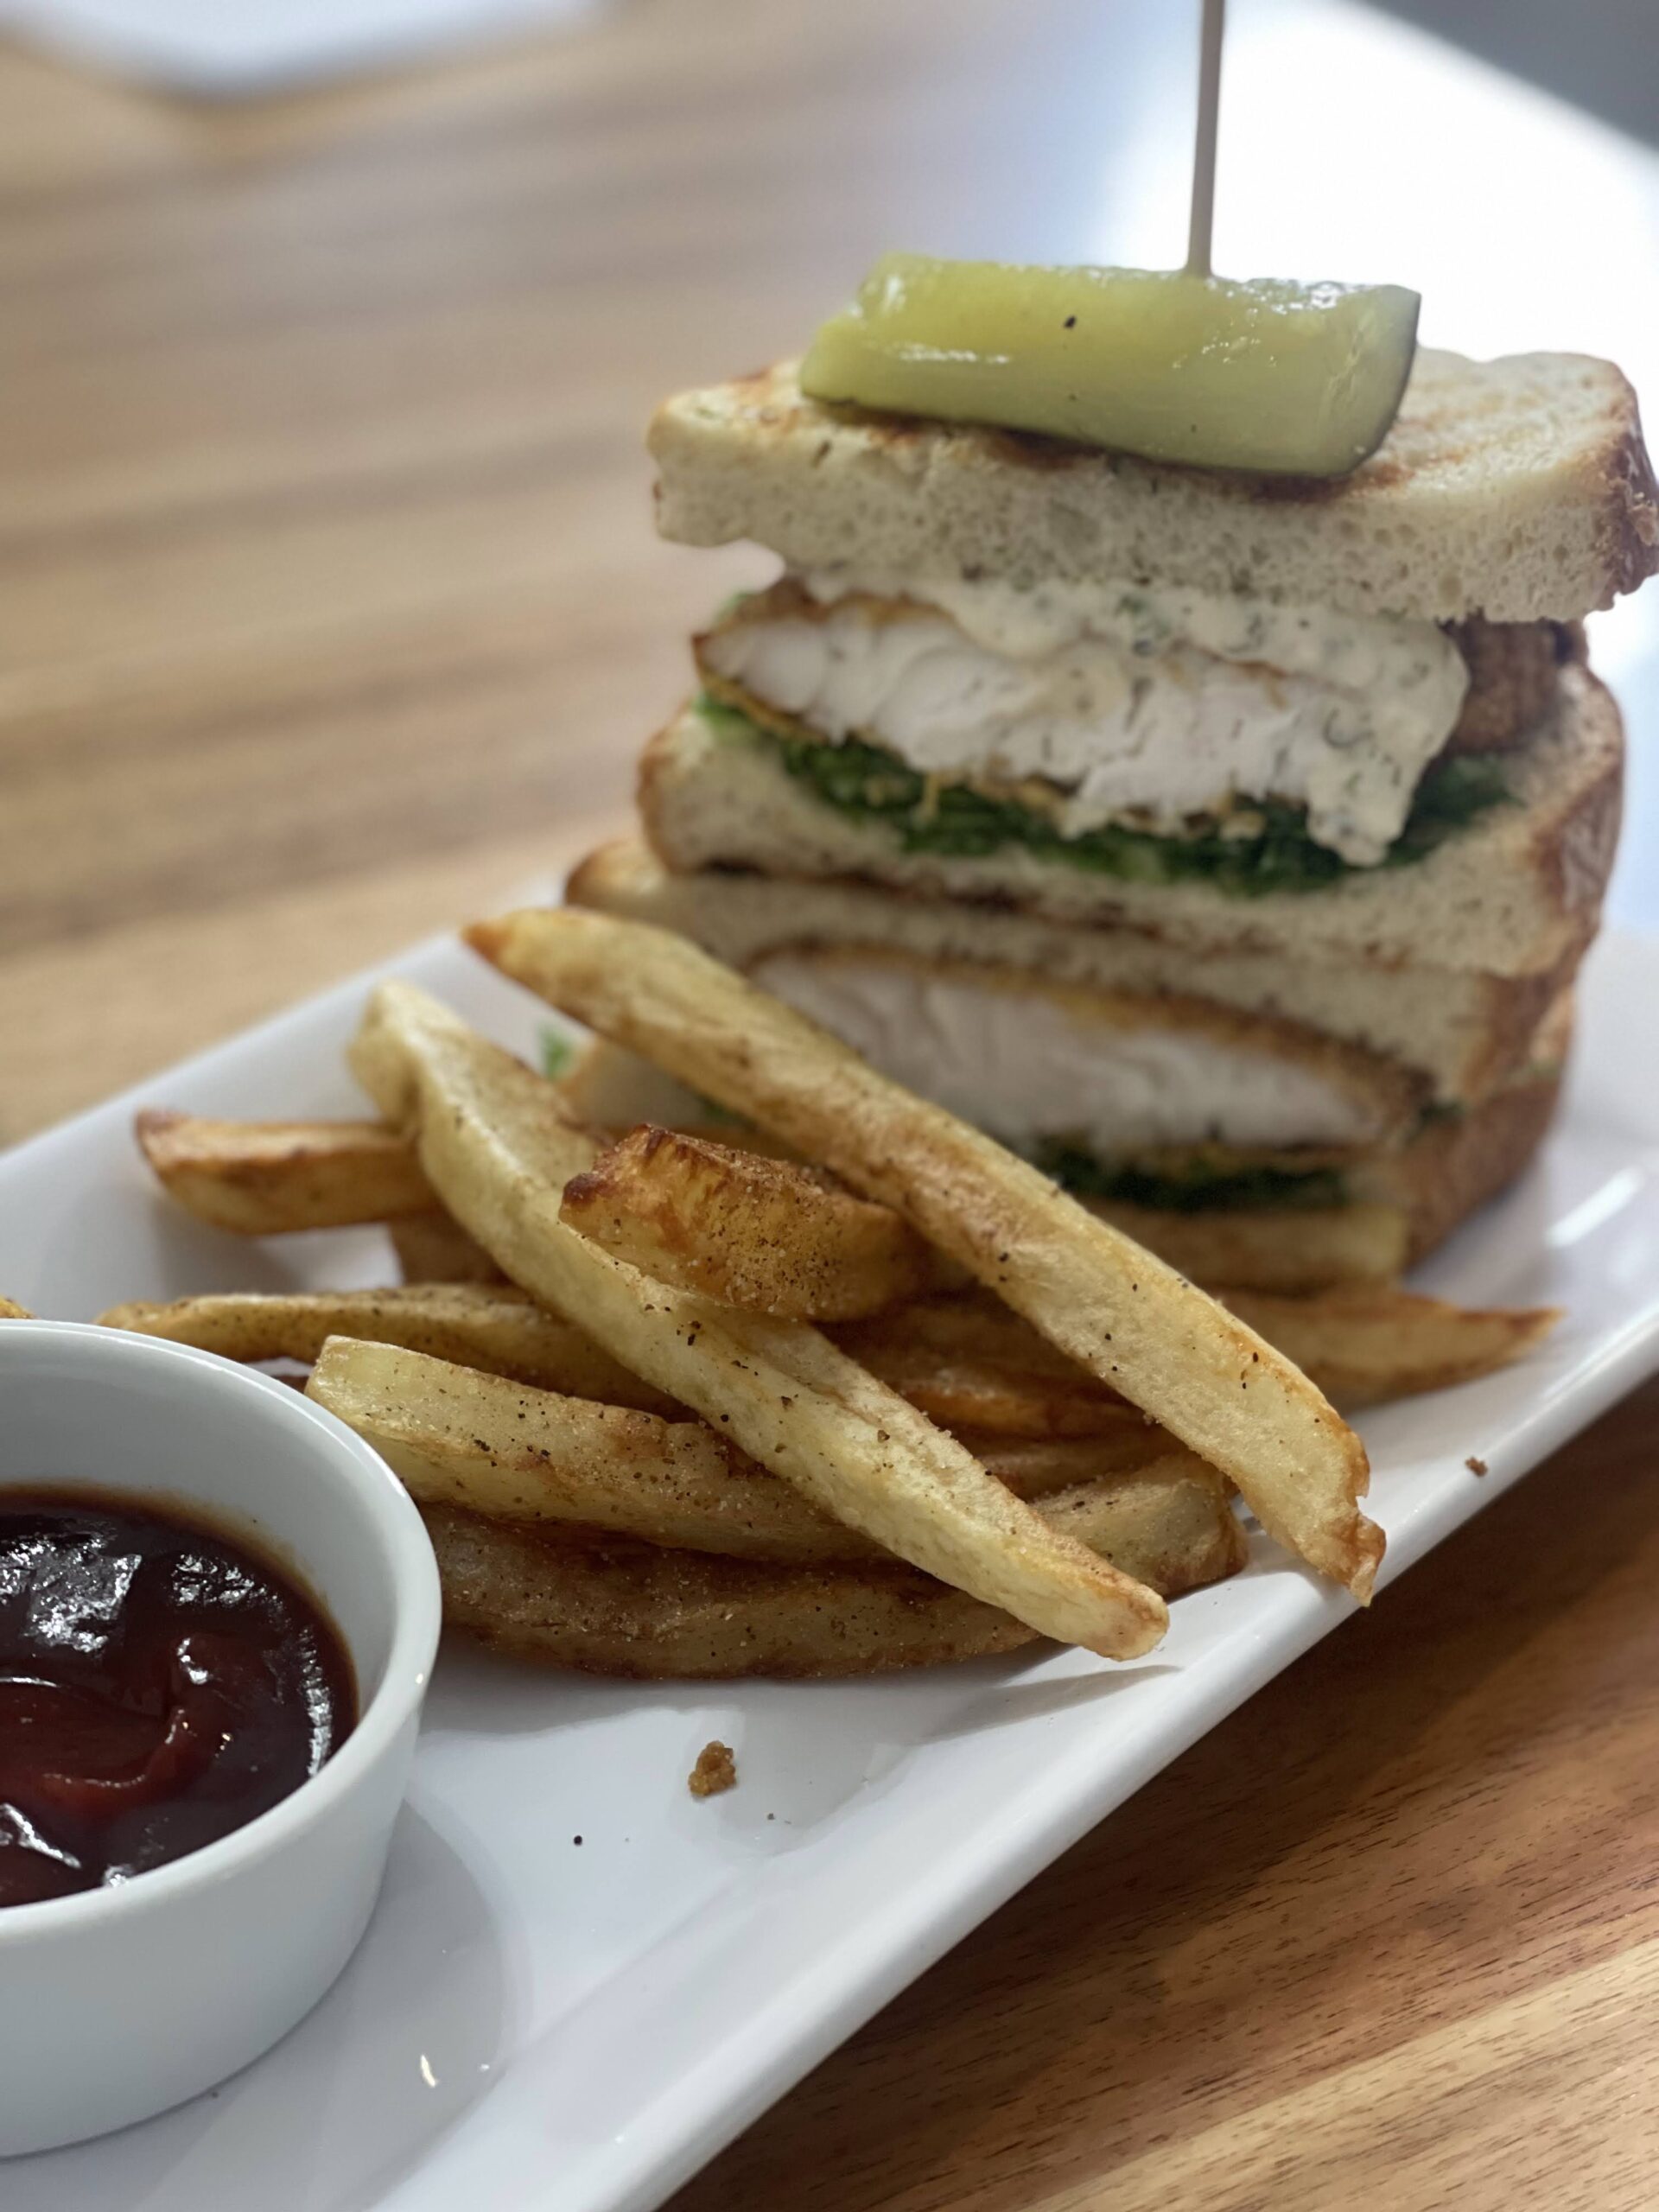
[(581, 1982)]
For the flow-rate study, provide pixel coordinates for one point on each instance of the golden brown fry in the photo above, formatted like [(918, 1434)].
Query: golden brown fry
[(1289, 1249), (1368, 1344), (1293, 1249), (260, 1178), (1168, 1523), (614, 1607), (970, 1363), (499, 1159), (746, 1230), (458, 1437), (1120, 1312), (970, 1327), (619, 1608), (985, 1396), (1034, 1467), (11, 1310), (431, 1248), (499, 1331)]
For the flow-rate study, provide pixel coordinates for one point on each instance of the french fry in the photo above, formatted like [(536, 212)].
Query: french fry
[(745, 1230), (11, 1310), (457, 1437), (993, 1397), (1168, 1523), (501, 1331), (615, 1607), (1289, 1249), (635, 1611), (261, 1178), (431, 1248), (969, 1362), (971, 1365), (1034, 1467), (499, 1159), (1120, 1312), (1368, 1344)]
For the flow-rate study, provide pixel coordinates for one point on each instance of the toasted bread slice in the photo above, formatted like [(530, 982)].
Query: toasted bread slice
[(1516, 893), (1451, 1166), (1519, 488), (1462, 1032)]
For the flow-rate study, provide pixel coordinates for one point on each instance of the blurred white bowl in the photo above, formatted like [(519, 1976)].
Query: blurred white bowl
[(119, 2002)]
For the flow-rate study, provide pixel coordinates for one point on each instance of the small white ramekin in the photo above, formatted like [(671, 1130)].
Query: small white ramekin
[(119, 2002)]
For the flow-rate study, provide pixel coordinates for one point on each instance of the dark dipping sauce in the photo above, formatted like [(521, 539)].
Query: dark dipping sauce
[(160, 1685)]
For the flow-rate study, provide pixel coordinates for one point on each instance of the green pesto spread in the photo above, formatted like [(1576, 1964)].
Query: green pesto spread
[(1196, 1188)]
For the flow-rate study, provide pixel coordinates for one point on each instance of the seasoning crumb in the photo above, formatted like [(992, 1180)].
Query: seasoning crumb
[(716, 1769), (1474, 1466), (575, 1838)]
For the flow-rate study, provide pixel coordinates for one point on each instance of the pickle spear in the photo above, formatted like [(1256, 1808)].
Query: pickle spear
[(1274, 377)]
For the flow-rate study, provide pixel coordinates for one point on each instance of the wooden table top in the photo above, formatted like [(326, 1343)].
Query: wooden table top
[(329, 610)]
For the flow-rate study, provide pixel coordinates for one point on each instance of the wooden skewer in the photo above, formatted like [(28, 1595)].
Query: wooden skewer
[(1203, 149)]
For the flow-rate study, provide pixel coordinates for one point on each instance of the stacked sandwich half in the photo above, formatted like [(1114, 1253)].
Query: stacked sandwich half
[(1228, 847)]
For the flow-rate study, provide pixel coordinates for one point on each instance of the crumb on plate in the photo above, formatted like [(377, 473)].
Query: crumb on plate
[(1474, 1466), (716, 1769)]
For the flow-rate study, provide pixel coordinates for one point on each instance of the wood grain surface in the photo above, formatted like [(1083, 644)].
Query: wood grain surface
[(330, 610)]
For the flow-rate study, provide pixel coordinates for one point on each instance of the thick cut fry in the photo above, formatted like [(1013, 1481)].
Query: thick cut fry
[(993, 1402), (1294, 1249), (499, 1160), (11, 1310), (1290, 1249), (1369, 1344), (1169, 1524), (457, 1437), (503, 1331), (1112, 1307), (431, 1248), (1035, 1466), (987, 1396), (500, 1330), (261, 1178), (746, 1230), (610, 1606), (619, 1608), (970, 1363)]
